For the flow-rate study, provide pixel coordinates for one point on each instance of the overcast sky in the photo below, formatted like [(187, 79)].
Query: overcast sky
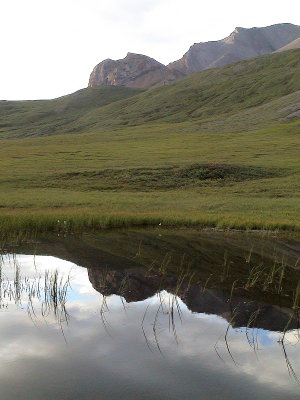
[(49, 47)]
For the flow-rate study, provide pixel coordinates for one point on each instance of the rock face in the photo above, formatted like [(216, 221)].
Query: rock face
[(135, 70), (242, 44)]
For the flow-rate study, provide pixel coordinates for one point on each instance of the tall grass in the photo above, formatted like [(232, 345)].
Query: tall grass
[(15, 226)]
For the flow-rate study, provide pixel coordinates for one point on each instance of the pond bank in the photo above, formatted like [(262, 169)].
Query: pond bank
[(31, 223)]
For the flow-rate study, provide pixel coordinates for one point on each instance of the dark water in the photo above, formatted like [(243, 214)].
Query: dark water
[(116, 325)]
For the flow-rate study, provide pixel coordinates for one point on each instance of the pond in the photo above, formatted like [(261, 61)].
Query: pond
[(150, 314)]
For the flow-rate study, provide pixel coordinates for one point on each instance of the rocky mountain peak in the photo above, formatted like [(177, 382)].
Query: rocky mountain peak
[(135, 70)]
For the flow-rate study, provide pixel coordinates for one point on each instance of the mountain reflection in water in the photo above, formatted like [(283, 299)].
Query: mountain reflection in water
[(138, 285), (119, 329)]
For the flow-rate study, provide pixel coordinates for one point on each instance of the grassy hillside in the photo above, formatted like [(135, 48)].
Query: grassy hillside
[(38, 117), (247, 95), (180, 155)]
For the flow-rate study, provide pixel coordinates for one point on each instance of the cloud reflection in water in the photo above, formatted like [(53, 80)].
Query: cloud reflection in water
[(113, 360)]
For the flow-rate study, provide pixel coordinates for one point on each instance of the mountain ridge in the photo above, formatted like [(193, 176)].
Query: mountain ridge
[(241, 44), (140, 71)]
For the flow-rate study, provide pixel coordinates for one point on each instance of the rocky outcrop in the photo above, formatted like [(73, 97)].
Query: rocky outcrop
[(135, 70), (242, 44)]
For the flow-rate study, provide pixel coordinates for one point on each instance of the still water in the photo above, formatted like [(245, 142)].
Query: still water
[(114, 328)]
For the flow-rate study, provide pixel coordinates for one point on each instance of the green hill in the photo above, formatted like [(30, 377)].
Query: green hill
[(258, 92), (38, 117)]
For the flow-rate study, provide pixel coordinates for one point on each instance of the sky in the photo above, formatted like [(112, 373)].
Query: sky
[(49, 47)]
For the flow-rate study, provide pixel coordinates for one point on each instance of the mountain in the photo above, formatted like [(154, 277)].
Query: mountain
[(242, 44), (140, 71), (135, 70)]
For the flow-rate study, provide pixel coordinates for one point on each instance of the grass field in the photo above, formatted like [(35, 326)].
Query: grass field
[(96, 177), (238, 168)]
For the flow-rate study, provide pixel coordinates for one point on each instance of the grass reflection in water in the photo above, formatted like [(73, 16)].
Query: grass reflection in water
[(43, 294)]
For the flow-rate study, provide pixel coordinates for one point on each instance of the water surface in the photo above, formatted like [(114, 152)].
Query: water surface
[(99, 319)]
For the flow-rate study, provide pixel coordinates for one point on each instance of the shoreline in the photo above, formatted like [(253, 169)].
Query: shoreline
[(69, 223)]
